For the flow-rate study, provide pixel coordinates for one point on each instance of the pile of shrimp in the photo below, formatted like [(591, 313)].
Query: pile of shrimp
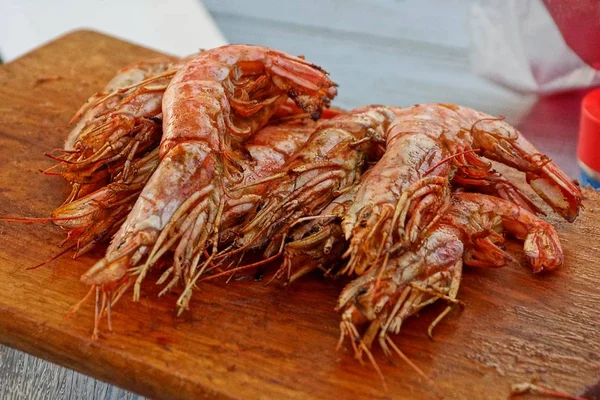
[(232, 159)]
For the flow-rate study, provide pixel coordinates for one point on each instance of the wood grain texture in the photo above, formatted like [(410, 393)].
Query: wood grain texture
[(247, 340), (23, 376)]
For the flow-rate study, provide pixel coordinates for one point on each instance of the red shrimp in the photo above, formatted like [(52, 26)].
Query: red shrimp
[(407, 187), (470, 230)]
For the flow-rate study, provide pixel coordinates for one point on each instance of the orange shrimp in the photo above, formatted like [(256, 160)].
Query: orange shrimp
[(268, 150), (410, 183), (470, 230), (498, 141), (102, 196), (214, 101), (318, 243), (115, 127), (95, 217), (113, 93), (329, 163), (412, 169)]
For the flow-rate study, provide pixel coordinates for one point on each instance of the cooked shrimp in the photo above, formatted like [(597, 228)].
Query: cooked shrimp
[(115, 127), (409, 184), (498, 141), (102, 212), (216, 99), (470, 230), (268, 150), (95, 217), (329, 163), (411, 170), (113, 93), (318, 243)]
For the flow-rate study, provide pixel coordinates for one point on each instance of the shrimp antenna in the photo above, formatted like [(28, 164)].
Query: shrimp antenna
[(59, 150), (357, 340), (58, 158), (430, 170), (410, 363), (125, 89), (227, 252), (79, 303), (43, 220), (249, 266), (54, 257), (258, 182), (47, 170), (311, 218), (242, 268), (499, 118)]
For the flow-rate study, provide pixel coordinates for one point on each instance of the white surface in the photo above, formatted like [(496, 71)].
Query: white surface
[(378, 51), (517, 44), (177, 27)]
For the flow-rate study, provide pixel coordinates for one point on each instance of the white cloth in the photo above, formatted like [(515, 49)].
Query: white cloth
[(516, 43)]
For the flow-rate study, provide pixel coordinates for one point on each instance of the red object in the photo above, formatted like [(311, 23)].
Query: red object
[(588, 150), (579, 24)]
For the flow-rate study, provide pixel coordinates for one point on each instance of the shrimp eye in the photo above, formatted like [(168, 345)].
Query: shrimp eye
[(362, 291)]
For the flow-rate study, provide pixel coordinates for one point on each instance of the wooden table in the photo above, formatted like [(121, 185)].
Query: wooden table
[(551, 123)]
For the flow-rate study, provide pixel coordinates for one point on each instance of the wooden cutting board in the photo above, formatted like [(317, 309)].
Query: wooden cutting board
[(245, 339)]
